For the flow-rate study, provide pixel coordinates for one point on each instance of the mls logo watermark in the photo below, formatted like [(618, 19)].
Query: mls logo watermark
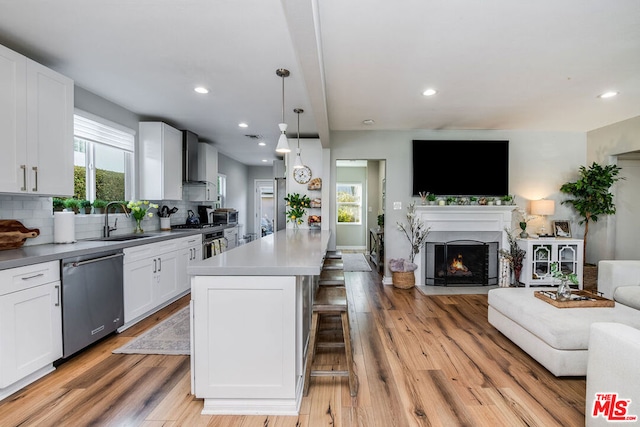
[(612, 408)]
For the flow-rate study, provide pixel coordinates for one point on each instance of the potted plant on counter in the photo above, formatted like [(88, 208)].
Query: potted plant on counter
[(297, 208), (99, 205), (72, 205), (402, 271), (85, 206)]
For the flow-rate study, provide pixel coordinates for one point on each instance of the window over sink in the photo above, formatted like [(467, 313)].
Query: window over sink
[(104, 154)]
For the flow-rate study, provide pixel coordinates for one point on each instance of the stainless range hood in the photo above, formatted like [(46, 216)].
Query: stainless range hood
[(190, 171)]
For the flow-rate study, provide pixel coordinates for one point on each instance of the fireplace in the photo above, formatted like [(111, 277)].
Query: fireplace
[(482, 224), (461, 262)]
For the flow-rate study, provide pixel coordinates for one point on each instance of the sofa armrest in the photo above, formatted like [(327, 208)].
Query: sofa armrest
[(612, 368), (615, 273)]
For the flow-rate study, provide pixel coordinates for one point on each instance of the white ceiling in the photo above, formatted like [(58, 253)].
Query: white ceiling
[(497, 64)]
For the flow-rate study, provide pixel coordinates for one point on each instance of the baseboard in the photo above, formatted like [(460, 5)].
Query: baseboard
[(351, 248)]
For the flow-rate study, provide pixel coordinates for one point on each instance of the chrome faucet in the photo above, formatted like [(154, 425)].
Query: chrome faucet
[(106, 230)]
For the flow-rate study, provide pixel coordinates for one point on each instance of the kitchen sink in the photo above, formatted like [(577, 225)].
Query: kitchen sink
[(123, 238)]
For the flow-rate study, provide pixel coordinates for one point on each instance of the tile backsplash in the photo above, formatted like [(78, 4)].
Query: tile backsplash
[(37, 212)]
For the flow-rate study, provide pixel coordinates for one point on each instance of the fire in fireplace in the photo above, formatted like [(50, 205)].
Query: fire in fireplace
[(461, 262)]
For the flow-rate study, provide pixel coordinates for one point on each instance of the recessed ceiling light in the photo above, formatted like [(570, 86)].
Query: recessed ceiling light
[(201, 89), (262, 143), (608, 94), (368, 122), (243, 125), (264, 160), (429, 92)]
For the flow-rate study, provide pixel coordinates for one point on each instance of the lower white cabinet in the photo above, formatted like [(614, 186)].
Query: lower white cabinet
[(541, 253), (150, 278), (155, 274), (190, 251), (231, 236), (30, 322)]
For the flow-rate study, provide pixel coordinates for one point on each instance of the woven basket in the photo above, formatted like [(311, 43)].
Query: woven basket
[(403, 279)]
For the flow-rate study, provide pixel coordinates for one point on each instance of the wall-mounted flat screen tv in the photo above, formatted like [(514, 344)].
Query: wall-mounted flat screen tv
[(461, 168)]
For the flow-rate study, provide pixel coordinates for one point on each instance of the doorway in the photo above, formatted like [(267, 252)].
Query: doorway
[(359, 190), (265, 208)]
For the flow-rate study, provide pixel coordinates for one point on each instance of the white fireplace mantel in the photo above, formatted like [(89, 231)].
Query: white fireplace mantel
[(456, 222)]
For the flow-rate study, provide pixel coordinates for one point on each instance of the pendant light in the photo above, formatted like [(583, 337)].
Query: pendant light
[(298, 163), (283, 144)]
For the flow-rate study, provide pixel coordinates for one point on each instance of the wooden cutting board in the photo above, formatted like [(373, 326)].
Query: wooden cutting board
[(13, 234)]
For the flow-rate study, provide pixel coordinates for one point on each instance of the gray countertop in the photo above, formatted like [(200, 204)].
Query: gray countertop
[(285, 253), (34, 254)]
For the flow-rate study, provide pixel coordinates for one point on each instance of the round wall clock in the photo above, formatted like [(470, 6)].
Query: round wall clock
[(302, 175)]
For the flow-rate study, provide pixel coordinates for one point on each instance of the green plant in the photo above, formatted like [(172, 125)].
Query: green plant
[(58, 204), (591, 196), (297, 207), (140, 209), (450, 200), (431, 197), (507, 199), (381, 220), (72, 204), (99, 203), (415, 231), (557, 273)]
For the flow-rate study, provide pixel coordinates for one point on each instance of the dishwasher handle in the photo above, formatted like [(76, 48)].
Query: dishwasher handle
[(92, 260)]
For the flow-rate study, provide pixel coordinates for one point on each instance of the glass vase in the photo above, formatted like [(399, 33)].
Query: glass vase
[(564, 291), (138, 228)]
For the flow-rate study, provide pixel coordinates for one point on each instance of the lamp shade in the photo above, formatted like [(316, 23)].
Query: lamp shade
[(283, 143), (543, 207)]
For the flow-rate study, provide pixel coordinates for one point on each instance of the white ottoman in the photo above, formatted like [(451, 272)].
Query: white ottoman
[(557, 338)]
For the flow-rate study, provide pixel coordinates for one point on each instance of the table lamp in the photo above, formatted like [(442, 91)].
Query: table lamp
[(543, 208)]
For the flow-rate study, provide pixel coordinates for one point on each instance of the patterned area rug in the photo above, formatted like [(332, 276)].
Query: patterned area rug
[(355, 262), (171, 336)]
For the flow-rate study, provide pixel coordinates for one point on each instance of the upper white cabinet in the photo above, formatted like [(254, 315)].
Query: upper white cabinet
[(160, 161), (36, 127)]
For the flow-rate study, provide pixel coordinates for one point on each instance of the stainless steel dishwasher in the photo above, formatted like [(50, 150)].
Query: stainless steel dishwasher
[(92, 299)]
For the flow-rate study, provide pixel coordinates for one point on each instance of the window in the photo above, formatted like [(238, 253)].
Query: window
[(349, 203), (103, 159), (222, 190)]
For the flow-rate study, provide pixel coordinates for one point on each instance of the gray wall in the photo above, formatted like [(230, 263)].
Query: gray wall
[(603, 146), (237, 187), (540, 162)]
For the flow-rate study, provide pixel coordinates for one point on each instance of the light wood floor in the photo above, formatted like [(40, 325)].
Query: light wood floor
[(421, 361)]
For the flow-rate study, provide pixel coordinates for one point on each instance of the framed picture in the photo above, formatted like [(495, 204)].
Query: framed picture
[(561, 228)]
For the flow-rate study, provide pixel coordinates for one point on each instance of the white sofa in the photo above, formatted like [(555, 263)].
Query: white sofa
[(558, 338), (613, 369)]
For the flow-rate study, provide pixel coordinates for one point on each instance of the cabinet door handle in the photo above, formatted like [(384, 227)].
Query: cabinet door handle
[(155, 265), (35, 170), (57, 304), (33, 277), (159, 264), (24, 177)]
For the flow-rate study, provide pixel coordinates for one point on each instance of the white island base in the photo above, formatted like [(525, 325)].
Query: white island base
[(250, 332)]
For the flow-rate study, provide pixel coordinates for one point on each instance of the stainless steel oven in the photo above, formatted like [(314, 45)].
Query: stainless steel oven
[(213, 243)]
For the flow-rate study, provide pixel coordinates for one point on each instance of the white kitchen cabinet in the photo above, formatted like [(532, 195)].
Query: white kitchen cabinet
[(30, 324), (231, 237), (541, 253), (160, 161), (36, 127), (190, 252), (151, 277)]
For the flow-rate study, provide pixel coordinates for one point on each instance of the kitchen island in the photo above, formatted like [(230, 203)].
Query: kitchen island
[(250, 320)]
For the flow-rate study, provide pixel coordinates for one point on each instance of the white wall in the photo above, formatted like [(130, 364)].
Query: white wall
[(540, 162), (603, 145)]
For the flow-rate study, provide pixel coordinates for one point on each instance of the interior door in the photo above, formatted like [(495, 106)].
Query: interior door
[(265, 209)]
